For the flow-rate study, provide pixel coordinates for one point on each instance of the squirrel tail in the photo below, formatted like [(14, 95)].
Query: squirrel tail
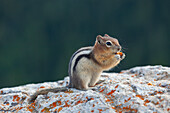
[(45, 91)]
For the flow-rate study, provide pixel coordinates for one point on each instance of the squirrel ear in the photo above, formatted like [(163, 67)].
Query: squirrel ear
[(106, 35), (99, 39)]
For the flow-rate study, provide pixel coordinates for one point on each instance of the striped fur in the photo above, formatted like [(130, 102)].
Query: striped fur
[(82, 52)]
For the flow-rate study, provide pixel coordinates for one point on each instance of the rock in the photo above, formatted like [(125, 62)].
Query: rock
[(140, 89)]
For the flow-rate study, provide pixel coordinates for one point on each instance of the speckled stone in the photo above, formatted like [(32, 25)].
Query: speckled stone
[(139, 89)]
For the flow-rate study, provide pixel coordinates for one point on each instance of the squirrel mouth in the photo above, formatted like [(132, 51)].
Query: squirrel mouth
[(116, 52)]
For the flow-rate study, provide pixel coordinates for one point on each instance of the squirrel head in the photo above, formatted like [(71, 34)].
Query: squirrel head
[(107, 45)]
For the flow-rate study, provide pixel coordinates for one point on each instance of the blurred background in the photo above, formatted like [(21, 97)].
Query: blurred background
[(38, 37)]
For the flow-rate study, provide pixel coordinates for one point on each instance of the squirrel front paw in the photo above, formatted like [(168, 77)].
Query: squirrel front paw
[(120, 56)]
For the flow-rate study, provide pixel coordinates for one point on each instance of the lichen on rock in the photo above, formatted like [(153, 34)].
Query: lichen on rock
[(138, 89)]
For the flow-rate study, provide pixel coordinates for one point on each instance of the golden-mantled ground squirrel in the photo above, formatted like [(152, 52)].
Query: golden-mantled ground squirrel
[(87, 64)]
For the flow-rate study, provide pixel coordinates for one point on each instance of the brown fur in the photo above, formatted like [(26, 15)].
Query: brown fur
[(104, 55), (101, 58), (89, 68)]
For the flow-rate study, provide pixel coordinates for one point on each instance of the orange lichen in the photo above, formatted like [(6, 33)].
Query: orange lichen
[(162, 100), (75, 97), (144, 104), (141, 97), (134, 75), (29, 109), (160, 92), (45, 110), (68, 91), (20, 108), (147, 101), (93, 105), (126, 109), (59, 102), (116, 86), (113, 107), (150, 84), (54, 104), (42, 110), (7, 103), (113, 96), (33, 106), (134, 91), (66, 105), (156, 103), (127, 99), (59, 109), (102, 90), (100, 110), (42, 87), (16, 98), (120, 105), (92, 99), (107, 100), (111, 92), (120, 111), (78, 102)]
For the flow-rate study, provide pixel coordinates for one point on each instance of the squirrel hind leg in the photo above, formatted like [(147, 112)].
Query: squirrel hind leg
[(79, 81), (81, 84), (93, 88), (99, 82)]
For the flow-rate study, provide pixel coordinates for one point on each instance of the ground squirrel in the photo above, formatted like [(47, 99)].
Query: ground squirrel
[(87, 64)]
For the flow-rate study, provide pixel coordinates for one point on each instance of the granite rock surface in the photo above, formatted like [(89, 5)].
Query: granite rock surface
[(140, 89)]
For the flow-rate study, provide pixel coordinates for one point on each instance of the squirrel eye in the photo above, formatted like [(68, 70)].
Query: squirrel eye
[(108, 44)]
